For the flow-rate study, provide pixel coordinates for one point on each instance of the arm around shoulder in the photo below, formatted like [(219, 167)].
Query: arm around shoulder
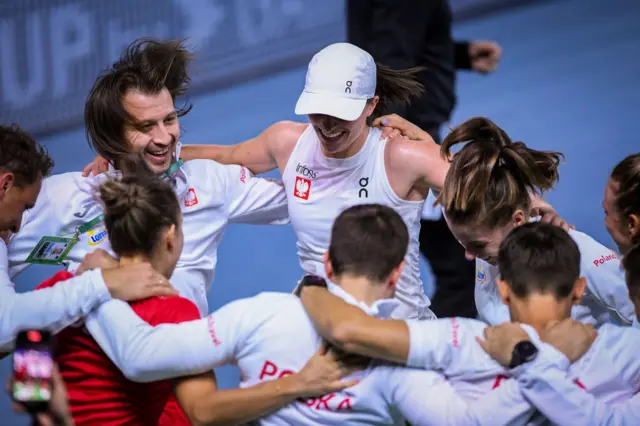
[(259, 154)]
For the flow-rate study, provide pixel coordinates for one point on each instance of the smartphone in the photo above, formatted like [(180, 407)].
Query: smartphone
[(31, 384)]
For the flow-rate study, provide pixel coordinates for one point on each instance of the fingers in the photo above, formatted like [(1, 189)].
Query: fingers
[(483, 344), (344, 384), (391, 120), (163, 291)]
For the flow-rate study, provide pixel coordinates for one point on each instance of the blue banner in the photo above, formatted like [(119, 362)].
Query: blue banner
[(52, 51)]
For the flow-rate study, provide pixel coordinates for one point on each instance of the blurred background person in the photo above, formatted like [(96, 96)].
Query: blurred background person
[(418, 33)]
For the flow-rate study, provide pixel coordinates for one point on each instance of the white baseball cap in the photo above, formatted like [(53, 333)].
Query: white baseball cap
[(340, 79)]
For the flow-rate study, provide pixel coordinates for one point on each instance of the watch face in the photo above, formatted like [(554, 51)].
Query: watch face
[(526, 350)]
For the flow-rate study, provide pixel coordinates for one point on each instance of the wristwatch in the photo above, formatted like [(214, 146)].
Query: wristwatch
[(523, 352), (310, 281)]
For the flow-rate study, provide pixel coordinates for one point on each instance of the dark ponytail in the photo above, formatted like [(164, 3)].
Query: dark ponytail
[(631, 264), (627, 175), (395, 87), (491, 176)]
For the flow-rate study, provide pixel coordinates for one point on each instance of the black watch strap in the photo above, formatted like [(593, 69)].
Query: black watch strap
[(523, 352), (310, 281)]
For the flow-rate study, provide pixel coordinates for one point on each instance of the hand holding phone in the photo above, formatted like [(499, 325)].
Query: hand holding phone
[(31, 385), (36, 386)]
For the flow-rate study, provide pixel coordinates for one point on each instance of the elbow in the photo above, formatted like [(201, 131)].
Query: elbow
[(205, 416), (135, 373), (135, 369), (345, 336)]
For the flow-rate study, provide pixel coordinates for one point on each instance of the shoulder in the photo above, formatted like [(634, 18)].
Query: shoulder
[(65, 185), (282, 137), (594, 255), (273, 300), (166, 310), (265, 307), (52, 281), (412, 156), (286, 130)]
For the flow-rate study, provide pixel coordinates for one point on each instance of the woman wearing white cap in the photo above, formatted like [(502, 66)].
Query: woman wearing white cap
[(339, 161)]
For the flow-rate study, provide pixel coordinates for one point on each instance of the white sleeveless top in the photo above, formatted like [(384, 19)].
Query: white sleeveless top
[(320, 188)]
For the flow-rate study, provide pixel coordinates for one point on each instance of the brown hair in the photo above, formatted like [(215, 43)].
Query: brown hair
[(395, 87), (137, 208), (491, 176), (368, 240), (631, 264), (148, 66), (21, 155), (627, 175)]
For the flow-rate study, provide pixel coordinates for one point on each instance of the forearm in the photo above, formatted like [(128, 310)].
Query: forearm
[(440, 404), (351, 329), (545, 384), (239, 406), (217, 153), (145, 353), (50, 308), (449, 346)]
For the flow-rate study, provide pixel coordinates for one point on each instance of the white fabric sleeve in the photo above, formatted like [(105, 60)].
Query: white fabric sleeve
[(449, 346), (255, 200), (426, 399), (145, 353), (52, 308), (605, 279), (545, 384)]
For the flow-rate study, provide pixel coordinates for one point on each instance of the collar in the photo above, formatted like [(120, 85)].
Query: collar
[(176, 175), (380, 309)]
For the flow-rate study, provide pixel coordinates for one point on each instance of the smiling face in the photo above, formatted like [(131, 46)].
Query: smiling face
[(339, 137), (156, 131)]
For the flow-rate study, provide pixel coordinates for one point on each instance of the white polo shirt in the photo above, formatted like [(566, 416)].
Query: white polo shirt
[(270, 336), (211, 196)]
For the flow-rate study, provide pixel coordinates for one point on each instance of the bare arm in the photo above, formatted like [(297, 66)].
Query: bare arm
[(261, 154), (204, 404), (351, 329)]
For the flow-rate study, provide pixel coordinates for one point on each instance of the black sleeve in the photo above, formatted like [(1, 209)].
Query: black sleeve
[(384, 29), (463, 60)]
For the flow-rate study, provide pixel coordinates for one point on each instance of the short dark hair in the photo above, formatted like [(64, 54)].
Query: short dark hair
[(147, 65), (21, 155), (137, 207), (368, 240), (539, 258), (631, 264)]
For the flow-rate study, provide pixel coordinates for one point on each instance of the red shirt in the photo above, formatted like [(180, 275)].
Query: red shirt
[(99, 394)]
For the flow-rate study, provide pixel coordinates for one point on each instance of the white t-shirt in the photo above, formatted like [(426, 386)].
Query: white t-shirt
[(607, 374), (269, 336), (606, 298), (211, 196)]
